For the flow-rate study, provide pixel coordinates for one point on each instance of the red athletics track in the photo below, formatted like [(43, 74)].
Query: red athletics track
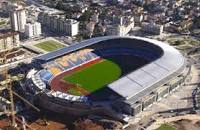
[(57, 83)]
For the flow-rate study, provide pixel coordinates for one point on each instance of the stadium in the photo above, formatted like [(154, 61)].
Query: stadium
[(113, 76)]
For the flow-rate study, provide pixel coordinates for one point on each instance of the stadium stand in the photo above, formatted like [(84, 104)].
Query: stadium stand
[(55, 70), (70, 61), (45, 75), (69, 97), (126, 51), (38, 81), (63, 61), (130, 94), (75, 59)]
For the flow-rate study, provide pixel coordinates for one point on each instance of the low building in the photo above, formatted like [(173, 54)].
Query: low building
[(5, 7), (9, 40), (95, 17), (152, 28), (33, 29), (138, 19), (13, 55), (90, 28), (120, 27)]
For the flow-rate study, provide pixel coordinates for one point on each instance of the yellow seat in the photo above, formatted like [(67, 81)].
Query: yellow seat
[(55, 70)]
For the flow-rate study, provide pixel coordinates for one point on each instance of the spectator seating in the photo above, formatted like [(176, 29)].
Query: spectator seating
[(45, 75), (55, 70), (149, 55)]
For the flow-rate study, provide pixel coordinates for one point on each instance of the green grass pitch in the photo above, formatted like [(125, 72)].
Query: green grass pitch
[(95, 77), (166, 127), (50, 45)]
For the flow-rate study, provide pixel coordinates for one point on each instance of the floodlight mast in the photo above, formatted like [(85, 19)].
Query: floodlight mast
[(8, 79), (8, 83)]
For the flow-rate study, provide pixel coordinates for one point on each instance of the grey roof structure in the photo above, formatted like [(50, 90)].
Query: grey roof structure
[(143, 80), (69, 49)]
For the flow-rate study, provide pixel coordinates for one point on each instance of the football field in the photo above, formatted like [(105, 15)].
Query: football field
[(50, 45), (94, 77)]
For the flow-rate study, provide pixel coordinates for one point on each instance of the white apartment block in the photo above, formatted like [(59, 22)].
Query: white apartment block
[(60, 24), (71, 27), (9, 40), (18, 18), (33, 29)]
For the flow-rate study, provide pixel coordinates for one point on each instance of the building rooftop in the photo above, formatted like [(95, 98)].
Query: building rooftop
[(8, 34)]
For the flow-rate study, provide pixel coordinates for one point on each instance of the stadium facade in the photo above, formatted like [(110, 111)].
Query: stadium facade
[(129, 95)]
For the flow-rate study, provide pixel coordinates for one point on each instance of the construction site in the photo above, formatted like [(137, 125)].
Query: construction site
[(7, 81)]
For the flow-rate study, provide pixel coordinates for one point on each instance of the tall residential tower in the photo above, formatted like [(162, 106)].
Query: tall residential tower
[(17, 18)]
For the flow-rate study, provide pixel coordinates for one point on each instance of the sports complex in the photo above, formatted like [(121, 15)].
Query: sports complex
[(106, 75)]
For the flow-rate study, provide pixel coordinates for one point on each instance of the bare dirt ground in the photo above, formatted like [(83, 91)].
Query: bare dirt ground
[(51, 125), (186, 125), (52, 121), (185, 122), (4, 123)]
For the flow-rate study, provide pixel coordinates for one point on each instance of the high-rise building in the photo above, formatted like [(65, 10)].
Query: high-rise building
[(33, 29), (17, 18)]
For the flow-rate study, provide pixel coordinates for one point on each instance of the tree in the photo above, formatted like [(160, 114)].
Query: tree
[(86, 16), (60, 5)]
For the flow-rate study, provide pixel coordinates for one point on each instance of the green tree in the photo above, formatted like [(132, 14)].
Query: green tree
[(86, 16), (60, 5)]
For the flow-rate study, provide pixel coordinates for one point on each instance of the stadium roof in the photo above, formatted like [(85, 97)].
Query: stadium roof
[(140, 82), (69, 49)]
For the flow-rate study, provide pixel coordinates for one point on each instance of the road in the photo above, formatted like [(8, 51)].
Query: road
[(14, 64)]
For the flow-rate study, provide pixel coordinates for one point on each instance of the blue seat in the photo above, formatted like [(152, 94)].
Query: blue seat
[(87, 57), (45, 75)]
